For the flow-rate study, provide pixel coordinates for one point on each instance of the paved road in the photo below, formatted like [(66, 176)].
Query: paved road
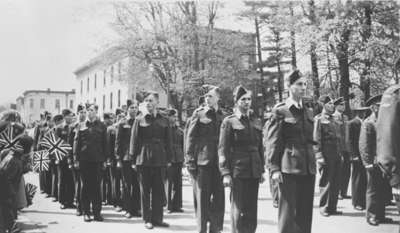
[(46, 216)]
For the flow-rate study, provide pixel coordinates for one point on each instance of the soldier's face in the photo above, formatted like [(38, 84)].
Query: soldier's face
[(82, 115), (151, 103), (340, 108), (298, 88), (244, 103), (132, 110), (211, 98), (92, 112), (69, 118), (329, 107)]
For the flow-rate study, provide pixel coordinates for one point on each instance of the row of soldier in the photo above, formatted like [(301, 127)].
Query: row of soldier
[(220, 151)]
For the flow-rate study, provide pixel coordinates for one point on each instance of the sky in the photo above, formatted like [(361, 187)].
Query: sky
[(43, 41)]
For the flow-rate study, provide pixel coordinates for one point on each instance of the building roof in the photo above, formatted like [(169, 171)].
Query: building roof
[(49, 91), (109, 56)]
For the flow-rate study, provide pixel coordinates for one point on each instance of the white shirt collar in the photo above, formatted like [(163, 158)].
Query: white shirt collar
[(239, 114), (290, 101)]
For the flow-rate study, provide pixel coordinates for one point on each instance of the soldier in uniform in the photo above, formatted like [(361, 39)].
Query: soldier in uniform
[(174, 172), (54, 163), (327, 135), (241, 161), (375, 201), (345, 173), (291, 158), (150, 151), (90, 149), (131, 194), (359, 175), (202, 162), (76, 174), (65, 180), (40, 130)]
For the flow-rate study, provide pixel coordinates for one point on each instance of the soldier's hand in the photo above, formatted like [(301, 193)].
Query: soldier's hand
[(227, 180), (321, 162), (119, 165), (262, 178), (76, 164), (57, 162), (277, 177), (369, 167), (396, 192), (133, 166), (104, 166)]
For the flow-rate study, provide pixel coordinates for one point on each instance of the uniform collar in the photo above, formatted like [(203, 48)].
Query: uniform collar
[(239, 114), (291, 102)]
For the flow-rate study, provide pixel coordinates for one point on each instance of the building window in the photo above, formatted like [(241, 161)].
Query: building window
[(42, 104), (95, 81), (112, 74), (104, 102), (81, 87), (111, 100), (119, 98), (31, 103), (104, 78), (94, 100), (87, 85), (57, 103), (71, 104), (119, 68)]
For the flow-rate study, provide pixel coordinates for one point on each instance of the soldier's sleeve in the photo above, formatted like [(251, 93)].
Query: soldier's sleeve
[(134, 141), (274, 141), (36, 134), (349, 139), (118, 139), (224, 147), (170, 142), (190, 157), (77, 144), (106, 138), (317, 139), (367, 135)]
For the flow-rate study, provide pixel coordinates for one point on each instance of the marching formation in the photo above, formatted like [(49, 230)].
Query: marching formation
[(133, 159)]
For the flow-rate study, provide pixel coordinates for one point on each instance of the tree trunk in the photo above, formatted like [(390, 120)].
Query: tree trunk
[(365, 35), (313, 52), (343, 61), (260, 66), (292, 38)]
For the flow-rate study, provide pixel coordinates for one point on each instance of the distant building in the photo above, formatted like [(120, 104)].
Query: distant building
[(34, 102)]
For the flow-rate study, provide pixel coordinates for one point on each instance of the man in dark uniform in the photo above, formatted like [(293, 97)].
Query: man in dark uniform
[(291, 158), (375, 201), (76, 174), (40, 130), (54, 163), (202, 162), (111, 173), (64, 174), (359, 175), (327, 135), (345, 173), (90, 149), (174, 172), (131, 193), (150, 151), (241, 161)]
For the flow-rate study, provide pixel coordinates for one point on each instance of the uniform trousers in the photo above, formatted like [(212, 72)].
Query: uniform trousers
[(42, 181), (296, 203), (244, 198), (329, 186), (106, 190), (210, 198), (151, 187), (54, 179), (358, 184), (91, 190), (345, 174), (76, 174), (174, 186), (47, 180), (131, 189), (375, 194), (116, 186), (65, 184), (274, 189)]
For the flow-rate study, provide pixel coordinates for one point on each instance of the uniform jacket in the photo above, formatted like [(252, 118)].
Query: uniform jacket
[(327, 136), (352, 138), (342, 121), (288, 140), (177, 148), (111, 139), (40, 130), (240, 148), (388, 134), (202, 138), (123, 136), (367, 142), (90, 143), (151, 141)]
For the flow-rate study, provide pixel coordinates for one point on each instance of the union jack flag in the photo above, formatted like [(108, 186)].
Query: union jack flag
[(9, 140), (41, 160), (55, 145)]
